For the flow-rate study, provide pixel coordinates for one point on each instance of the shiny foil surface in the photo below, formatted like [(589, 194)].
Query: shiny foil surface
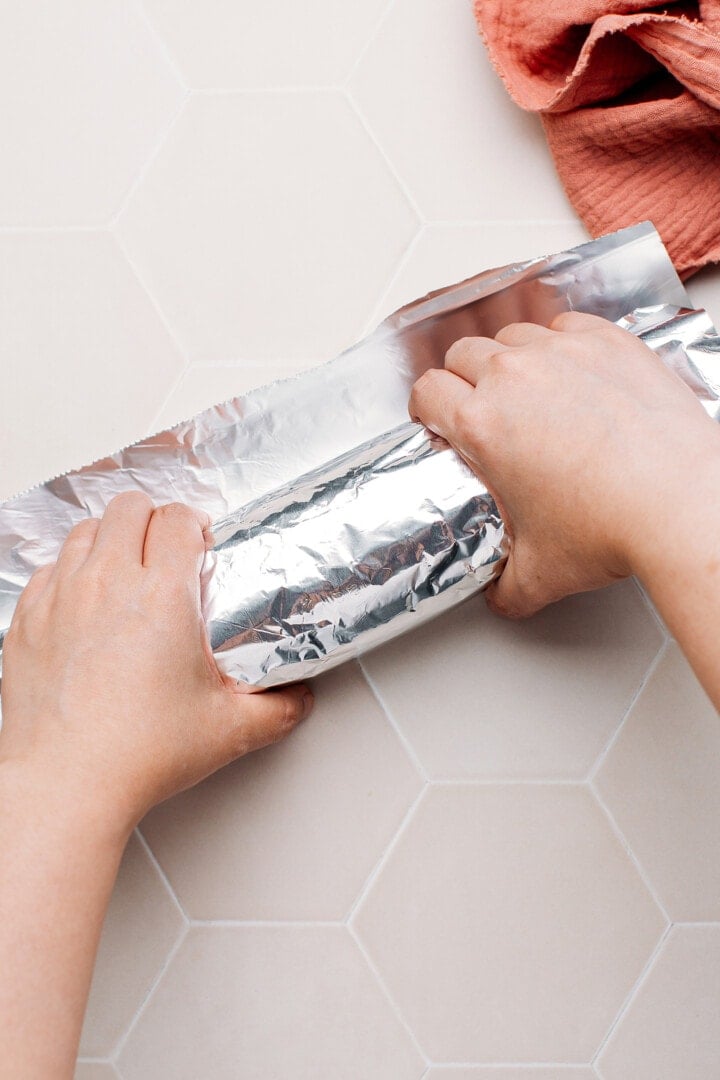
[(337, 523), (376, 541)]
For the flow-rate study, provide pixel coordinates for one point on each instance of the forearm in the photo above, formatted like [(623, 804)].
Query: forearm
[(58, 863), (679, 564)]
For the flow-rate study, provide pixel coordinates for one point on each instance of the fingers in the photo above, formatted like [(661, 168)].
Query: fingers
[(257, 720), (577, 322), (523, 333), (121, 535), (467, 357), (78, 545), (515, 594), (175, 539), (436, 399)]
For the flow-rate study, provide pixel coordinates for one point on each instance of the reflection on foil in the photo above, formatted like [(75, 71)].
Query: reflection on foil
[(378, 540), (307, 572)]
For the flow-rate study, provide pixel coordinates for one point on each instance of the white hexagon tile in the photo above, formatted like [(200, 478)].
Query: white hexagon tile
[(267, 225), (484, 923), (88, 90), (465, 865), (240, 46), (293, 831), (80, 337)]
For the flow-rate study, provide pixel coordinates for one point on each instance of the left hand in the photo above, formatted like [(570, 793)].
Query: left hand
[(109, 686)]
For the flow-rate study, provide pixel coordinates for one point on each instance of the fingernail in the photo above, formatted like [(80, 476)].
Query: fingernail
[(307, 703)]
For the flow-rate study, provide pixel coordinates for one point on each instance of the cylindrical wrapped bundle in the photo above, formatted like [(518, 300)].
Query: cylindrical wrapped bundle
[(347, 556), (368, 541)]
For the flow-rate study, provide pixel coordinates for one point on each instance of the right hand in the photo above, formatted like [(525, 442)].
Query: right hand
[(585, 439)]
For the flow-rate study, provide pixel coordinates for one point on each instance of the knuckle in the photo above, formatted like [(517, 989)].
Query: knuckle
[(501, 364), (461, 347), (429, 380), (578, 322), (288, 716), (423, 391), (127, 500), (177, 513), (84, 529)]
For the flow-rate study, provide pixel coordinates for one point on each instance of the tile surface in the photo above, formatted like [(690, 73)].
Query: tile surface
[(275, 1002), (293, 831), (142, 925), (660, 781), (93, 1070), (485, 923), (79, 335), (223, 43), (455, 138), (88, 93), (442, 254), (672, 1028), (704, 289), (528, 700), (533, 1073), (201, 197), (223, 229)]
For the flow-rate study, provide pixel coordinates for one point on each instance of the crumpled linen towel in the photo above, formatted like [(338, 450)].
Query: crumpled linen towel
[(629, 95)]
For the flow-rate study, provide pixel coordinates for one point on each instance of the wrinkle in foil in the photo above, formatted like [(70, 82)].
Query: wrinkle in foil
[(338, 524)]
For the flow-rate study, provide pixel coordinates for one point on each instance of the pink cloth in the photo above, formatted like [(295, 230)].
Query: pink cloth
[(629, 95)]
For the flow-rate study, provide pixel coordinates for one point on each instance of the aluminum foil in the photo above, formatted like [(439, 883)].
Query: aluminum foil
[(381, 530), (374, 542)]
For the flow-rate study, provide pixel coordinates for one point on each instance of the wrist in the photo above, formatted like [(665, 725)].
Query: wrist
[(681, 493), (54, 801)]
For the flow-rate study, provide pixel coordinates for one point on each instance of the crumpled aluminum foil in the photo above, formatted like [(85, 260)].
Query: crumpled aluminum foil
[(382, 530), (372, 543)]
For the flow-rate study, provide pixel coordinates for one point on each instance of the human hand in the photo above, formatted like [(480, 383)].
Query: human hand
[(109, 686), (585, 439)]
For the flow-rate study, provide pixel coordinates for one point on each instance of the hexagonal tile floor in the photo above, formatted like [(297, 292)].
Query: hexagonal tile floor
[(492, 853)]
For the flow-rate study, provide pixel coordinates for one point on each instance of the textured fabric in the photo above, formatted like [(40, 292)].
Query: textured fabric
[(629, 95)]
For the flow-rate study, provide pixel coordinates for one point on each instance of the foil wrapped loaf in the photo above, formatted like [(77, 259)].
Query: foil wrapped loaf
[(338, 524)]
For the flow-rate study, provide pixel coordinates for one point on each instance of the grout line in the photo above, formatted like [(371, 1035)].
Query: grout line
[(510, 1064), (176, 384), (164, 47), (406, 745), (505, 781), (295, 924), (122, 1041), (376, 315), (374, 34), (389, 164), (600, 761), (642, 978), (697, 924), (629, 851), (169, 330), (388, 996), (651, 608), (162, 875), (152, 156), (375, 872)]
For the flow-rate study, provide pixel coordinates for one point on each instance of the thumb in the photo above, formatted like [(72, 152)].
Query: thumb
[(254, 720), (517, 593)]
